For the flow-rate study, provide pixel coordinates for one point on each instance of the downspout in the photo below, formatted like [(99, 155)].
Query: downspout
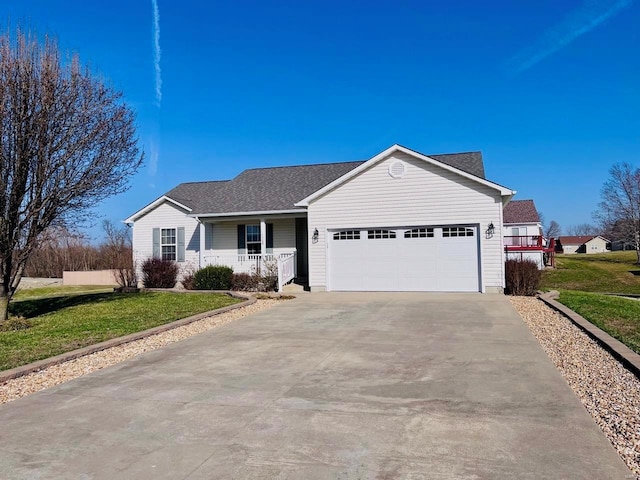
[(202, 233)]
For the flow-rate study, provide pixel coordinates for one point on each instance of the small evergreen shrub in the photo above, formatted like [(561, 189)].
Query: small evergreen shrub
[(158, 273), (244, 282), (522, 277), (213, 277)]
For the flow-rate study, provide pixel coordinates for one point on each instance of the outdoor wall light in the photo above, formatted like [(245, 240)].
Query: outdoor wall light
[(315, 236), (490, 228)]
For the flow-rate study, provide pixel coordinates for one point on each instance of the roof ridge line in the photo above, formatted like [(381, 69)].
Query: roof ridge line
[(303, 165)]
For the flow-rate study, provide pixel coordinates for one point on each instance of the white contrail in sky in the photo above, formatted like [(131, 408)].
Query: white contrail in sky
[(582, 20), (153, 157), (156, 50)]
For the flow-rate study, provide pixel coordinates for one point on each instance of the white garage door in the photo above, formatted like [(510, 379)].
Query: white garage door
[(431, 259)]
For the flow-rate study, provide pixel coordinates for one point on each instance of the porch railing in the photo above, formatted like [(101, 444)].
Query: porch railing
[(286, 269), (524, 241), (284, 264), (243, 263)]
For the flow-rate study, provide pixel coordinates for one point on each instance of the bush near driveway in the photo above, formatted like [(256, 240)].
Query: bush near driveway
[(65, 323), (522, 277)]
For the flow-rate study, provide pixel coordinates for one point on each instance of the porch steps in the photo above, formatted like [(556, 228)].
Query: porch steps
[(292, 288)]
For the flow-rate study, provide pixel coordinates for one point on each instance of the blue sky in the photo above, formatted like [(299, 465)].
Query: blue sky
[(547, 90)]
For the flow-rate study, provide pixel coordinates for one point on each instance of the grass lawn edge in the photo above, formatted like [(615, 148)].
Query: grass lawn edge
[(629, 358), (114, 342)]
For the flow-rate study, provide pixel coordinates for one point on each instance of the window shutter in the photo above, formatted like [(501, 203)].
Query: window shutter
[(180, 253), (156, 243), (241, 240), (269, 237)]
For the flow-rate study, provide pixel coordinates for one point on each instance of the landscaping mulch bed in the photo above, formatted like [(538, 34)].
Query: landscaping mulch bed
[(609, 392)]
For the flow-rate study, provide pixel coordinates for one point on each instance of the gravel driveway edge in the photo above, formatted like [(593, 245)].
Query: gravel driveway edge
[(114, 342), (619, 350)]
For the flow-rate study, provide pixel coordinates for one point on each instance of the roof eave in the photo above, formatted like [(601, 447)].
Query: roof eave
[(246, 214)]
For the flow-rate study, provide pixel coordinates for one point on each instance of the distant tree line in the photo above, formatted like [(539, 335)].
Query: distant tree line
[(61, 250)]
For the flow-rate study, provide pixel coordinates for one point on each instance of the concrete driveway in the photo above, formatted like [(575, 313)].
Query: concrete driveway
[(327, 386)]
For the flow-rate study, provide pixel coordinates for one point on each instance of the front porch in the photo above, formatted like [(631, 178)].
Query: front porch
[(283, 265), (267, 245)]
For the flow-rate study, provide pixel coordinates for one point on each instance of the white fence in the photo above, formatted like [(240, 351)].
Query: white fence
[(244, 263), (284, 264), (286, 269)]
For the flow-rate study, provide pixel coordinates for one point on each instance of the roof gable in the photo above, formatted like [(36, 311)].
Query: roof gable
[(520, 211), (429, 159), (579, 239), (157, 202)]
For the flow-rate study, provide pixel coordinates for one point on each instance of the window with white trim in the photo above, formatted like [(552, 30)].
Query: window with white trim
[(457, 232), (419, 233), (254, 243), (347, 235), (375, 234), (168, 243)]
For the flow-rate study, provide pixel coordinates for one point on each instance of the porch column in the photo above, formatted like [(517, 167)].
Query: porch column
[(263, 236), (202, 244)]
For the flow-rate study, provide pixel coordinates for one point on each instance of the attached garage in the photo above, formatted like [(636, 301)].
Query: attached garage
[(403, 221), (424, 258)]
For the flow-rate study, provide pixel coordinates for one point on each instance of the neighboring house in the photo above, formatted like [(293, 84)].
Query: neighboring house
[(523, 237), (400, 221), (584, 244)]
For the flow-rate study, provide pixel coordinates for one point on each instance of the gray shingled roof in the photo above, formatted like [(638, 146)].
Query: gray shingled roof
[(520, 211), (280, 188)]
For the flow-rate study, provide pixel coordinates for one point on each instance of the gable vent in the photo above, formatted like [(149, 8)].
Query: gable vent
[(397, 169)]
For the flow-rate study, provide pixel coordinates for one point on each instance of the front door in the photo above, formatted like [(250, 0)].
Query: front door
[(302, 248)]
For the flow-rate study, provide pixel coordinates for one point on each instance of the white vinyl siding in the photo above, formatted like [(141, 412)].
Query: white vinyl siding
[(225, 236), (425, 195), (524, 229), (166, 216)]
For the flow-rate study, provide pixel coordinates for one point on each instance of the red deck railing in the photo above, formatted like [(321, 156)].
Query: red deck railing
[(524, 242)]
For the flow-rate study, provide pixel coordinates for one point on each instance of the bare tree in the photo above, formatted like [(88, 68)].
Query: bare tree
[(582, 229), (620, 206), (553, 230), (67, 141), (118, 252)]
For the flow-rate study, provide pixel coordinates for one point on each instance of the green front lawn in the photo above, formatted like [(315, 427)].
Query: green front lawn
[(613, 272), (67, 322), (583, 279), (619, 317), (58, 290)]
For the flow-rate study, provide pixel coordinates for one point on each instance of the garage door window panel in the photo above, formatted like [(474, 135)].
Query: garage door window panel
[(347, 235), (419, 233), (377, 234), (449, 232)]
